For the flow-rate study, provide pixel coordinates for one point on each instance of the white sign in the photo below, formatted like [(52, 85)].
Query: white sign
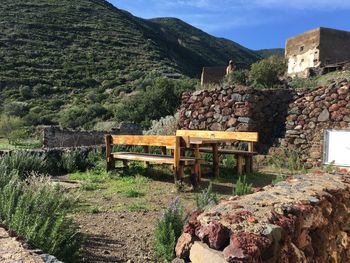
[(337, 147)]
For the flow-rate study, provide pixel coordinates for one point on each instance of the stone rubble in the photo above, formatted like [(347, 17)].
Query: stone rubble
[(303, 219)]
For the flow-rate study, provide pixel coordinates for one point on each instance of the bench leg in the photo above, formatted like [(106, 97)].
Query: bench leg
[(178, 176), (146, 150), (216, 160), (110, 164), (163, 150), (125, 165), (240, 160)]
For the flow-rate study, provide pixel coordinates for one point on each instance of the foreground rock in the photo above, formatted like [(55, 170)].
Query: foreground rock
[(304, 219)]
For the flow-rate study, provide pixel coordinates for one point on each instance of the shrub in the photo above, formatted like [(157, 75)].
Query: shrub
[(168, 230), (17, 137), (8, 124), (36, 210), (74, 161), (16, 108), (23, 163), (242, 187), (240, 77), (207, 197), (164, 126), (267, 72)]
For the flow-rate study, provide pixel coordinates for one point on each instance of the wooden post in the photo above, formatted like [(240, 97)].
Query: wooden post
[(163, 150), (239, 164), (216, 160), (109, 157)]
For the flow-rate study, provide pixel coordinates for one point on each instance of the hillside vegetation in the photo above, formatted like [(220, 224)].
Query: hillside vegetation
[(88, 53)]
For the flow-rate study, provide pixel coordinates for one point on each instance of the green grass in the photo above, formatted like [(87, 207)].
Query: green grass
[(25, 144)]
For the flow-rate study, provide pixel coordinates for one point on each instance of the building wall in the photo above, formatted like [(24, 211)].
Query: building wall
[(335, 46), (213, 75), (303, 52)]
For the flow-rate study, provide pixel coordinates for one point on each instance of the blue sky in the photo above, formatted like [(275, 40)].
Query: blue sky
[(256, 24)]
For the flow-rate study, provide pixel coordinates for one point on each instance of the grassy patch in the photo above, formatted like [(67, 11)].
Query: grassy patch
[(25, 144)]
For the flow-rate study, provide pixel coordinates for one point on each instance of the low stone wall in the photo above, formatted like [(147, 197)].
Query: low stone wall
[(237, 108), (54, 136), (304, 219), (313, 111)]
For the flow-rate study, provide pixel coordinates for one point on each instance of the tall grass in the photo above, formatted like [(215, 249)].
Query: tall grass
[(35, 208), (23, 163)]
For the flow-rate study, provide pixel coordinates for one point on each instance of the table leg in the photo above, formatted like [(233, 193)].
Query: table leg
[(215, 160), (197, 168), (146, 150), (240, 164)]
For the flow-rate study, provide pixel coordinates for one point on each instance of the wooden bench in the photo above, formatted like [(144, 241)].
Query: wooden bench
[(244, 157), (176, 143)]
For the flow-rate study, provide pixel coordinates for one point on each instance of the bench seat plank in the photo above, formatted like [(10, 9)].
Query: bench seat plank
[(152, 158), (227, 151)]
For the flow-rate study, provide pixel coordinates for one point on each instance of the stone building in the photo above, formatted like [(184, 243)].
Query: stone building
[(212, 75), (315, 49)]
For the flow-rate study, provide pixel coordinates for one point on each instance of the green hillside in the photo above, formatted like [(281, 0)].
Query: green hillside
[(55, 54), (270, 52)]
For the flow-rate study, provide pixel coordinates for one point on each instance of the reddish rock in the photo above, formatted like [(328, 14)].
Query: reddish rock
[(231, 122), (192, 226), (246, 247), (215, 235)]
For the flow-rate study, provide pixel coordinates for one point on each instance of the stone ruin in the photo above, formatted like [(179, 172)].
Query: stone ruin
[(304, 219)]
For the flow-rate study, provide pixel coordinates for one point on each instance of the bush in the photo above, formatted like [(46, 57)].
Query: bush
[(74, 161), (36, 210), (240, 77), (242, 187), (207, 197), (267, 72), (168, 230), (23, 163), (164, 126), (9, 124)]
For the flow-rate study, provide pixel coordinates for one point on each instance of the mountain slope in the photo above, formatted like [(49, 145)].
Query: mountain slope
[(185, 41), (270, 52), (58, 53)]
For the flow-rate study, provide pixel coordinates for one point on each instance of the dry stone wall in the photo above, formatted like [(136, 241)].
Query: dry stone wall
[(237, 108), (304, 219), (313, 111)]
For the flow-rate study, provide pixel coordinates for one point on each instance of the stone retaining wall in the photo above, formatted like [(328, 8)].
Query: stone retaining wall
[(304, 219), (237, 108), (313, 111)]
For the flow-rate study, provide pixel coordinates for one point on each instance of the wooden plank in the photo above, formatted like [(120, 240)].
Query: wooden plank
[(198, 171), (227, 151), (240, 136), (152, 158), (144, 140)]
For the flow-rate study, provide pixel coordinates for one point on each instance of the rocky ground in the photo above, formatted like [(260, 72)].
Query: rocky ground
[(12, 250)]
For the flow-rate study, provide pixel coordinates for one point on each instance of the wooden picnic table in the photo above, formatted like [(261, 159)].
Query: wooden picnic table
[(196, 143)]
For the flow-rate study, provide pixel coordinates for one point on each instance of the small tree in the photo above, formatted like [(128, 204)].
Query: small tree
[(240, 77), (267, 72)]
